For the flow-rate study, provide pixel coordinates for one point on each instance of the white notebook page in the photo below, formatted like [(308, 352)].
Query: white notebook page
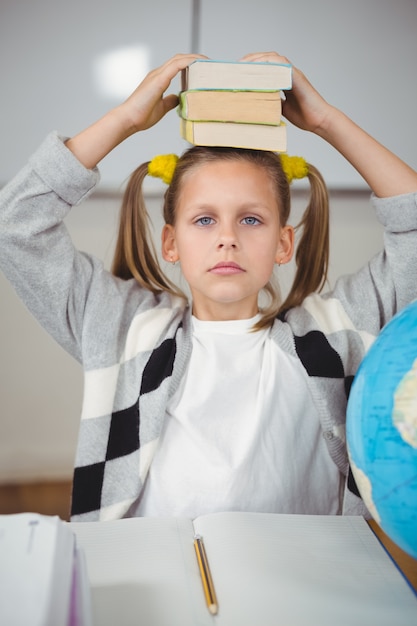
[(303, 570), (268, 570)]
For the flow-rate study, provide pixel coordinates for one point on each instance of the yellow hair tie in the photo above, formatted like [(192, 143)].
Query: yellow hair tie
[(163, 166), (294, 167)]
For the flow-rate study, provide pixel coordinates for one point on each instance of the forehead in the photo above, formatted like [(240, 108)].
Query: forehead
[(231, 177)]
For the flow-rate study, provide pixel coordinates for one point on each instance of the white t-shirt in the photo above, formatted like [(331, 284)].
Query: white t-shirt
[(241, 433)]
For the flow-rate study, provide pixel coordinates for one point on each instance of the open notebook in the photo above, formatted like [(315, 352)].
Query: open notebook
[(294, 570)]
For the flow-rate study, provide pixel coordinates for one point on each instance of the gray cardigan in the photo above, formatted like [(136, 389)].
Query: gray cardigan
[(134, 346)]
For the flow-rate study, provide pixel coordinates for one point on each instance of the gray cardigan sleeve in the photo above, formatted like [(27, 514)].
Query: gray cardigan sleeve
[(36, 252), (388, 282)]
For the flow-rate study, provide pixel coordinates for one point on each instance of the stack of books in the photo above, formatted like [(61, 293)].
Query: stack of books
[(235, 104)]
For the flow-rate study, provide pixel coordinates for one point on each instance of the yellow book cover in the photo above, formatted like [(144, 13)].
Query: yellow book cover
[(251, 107)]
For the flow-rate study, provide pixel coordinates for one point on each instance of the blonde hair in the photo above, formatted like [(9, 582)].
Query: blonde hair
[(135, 255)]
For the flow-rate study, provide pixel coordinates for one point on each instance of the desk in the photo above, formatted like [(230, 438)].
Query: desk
[(405, 562)]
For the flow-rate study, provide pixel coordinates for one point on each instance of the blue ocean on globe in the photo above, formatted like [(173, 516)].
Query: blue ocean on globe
[(382, 429)]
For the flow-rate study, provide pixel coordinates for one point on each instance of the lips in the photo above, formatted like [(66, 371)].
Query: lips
[(226, 268)]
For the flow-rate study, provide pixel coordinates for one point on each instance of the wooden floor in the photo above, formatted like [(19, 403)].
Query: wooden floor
[(48, 498), (53, 498)]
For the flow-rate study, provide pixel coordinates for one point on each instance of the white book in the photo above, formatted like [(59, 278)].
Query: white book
[(43, 580), (214, 74), (295, 570)]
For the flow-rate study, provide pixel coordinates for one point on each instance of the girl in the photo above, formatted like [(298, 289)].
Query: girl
[(215, 404)]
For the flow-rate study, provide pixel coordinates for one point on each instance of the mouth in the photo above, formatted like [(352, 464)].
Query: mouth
[(226, 268)]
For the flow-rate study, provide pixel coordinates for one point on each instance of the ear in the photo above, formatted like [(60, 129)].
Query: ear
[(285, 249), (169, 245)]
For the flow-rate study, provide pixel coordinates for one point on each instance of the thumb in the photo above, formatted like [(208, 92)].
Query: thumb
[(170, 102)]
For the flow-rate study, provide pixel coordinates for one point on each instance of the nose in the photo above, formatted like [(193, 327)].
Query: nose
[(227, 237)]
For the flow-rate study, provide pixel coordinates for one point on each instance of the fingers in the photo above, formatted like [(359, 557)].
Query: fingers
[(185, 59), (150, 102), (175, 64), (265, 57), (170, 102), (162, 76)]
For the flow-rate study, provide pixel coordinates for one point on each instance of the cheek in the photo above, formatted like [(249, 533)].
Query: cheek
[(191, 252), (192, 242), (267, 269), (266, 259), (265, 248)]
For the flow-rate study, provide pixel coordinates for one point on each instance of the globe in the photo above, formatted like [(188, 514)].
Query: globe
[(381, 429)]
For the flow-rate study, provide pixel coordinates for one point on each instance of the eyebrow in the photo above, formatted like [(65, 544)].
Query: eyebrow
[(247, 206)]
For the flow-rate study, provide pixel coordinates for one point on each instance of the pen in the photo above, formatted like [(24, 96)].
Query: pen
[(206, 578)]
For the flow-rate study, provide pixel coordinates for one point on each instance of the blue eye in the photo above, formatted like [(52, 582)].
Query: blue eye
[(251, 221), (204, 221)]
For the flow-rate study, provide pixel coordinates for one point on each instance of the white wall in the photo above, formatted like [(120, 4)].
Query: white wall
[(361, 54)]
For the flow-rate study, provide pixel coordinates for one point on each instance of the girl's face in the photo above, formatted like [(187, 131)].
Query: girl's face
[(227, 237)]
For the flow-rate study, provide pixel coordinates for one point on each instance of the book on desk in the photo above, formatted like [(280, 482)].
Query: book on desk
[(43, 573), (267, 569)]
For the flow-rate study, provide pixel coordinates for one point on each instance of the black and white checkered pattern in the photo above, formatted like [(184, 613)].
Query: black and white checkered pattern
[(95, 486)]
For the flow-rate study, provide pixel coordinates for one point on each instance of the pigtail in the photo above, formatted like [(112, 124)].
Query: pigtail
[(312, 256), (135, 255)]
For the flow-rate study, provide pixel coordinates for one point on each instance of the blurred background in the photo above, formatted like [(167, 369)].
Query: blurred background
[(62, 65)]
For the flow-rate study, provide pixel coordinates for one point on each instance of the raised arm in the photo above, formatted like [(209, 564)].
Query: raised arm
[(144, 108), (386, 174)]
